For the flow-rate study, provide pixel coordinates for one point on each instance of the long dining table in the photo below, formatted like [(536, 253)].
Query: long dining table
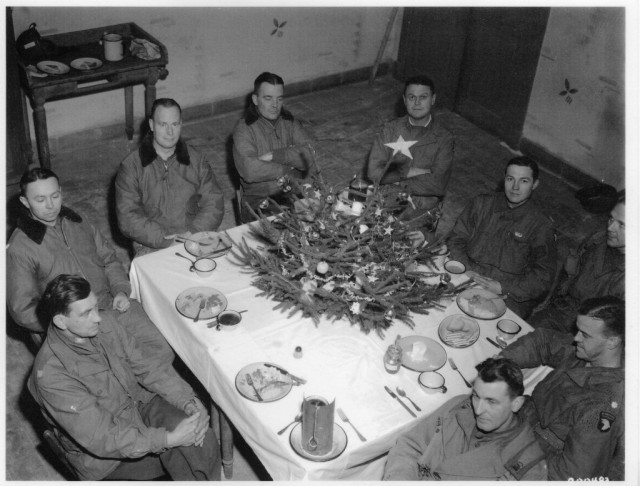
[(338, 361)]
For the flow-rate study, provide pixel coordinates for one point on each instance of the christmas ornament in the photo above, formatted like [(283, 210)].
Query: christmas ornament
[(322, 267)]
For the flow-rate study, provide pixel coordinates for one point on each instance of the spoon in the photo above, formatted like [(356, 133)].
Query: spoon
[(503, 344), (402, 393), (313, 443), (297, 419)]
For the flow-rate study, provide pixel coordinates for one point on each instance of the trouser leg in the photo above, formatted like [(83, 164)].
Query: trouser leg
[(183, 463), (151, 341), (143, 469)]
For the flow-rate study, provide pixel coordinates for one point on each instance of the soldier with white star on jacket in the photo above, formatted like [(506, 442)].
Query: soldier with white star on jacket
[(424, 174)]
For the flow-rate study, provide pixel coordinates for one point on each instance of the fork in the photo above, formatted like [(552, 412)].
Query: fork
[(345, 419), (454, 367), (252, 385), (203, 303)]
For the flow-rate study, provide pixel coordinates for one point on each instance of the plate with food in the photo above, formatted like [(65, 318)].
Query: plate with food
[(86, 63), (459, 331), (53, 67), (188, 302), (263, 382), (420, 353), (481, 303), (208, 243)]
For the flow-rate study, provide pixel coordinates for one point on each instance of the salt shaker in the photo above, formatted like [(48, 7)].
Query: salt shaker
[(393, 359)]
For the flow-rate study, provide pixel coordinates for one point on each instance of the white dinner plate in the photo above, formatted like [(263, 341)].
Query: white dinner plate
[(459, 331), (53, 67), (188, 302), (433, 358), (86, 63), (339, 444), (270, 383), (481, 304), (206, 242)]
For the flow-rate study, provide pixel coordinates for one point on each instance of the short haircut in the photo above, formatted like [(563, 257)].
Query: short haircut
[(165, 103), (422, 80), (525, 162), (35, 174), (60, 293), (608, 309), (267, 77), (502, 369)]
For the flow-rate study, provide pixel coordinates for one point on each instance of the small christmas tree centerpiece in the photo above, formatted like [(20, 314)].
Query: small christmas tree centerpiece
[(331, 256)]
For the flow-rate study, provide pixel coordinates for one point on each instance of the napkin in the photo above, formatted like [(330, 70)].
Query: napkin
[(144, 49)]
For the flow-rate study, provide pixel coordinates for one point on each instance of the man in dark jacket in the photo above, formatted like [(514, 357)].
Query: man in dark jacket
[(270, 148), (506, 242), (52, 239), (413, 155), (482, 437), (166, 189), (120, 415), (577, 411), (596, 269)]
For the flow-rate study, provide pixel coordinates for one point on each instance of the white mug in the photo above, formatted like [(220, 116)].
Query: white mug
[(113, 47)]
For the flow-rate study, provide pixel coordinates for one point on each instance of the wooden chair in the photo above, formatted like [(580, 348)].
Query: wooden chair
[(52, 439)]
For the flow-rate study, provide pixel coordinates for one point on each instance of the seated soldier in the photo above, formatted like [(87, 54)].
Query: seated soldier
[(597, 269), (413, 155), (52, 239), (120, 414), (166, 189), (270, 147), (481, 437), (577, 411), (506, 242)]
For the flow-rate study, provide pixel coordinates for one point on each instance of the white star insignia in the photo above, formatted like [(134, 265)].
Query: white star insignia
[(388, 230), (401, 145), (372, 278), (317, 194), (378, 212)]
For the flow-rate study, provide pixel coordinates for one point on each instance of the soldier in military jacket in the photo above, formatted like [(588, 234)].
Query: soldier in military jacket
[(481, 437), (577, 411)]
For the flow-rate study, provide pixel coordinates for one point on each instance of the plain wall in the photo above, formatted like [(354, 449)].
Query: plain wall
[(586, 129), (216, 53)]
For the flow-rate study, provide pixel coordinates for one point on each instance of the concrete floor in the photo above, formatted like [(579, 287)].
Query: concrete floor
[(344, 121)]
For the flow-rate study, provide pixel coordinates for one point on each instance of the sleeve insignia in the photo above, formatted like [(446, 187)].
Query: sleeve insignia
[(606, 421)]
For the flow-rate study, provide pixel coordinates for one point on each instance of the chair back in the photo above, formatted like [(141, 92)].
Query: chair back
[(53, 440)]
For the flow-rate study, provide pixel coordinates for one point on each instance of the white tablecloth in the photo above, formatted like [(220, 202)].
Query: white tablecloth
[(339, 362)]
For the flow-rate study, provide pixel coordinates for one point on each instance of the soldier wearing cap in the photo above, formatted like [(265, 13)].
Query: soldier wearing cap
[(577, 411)]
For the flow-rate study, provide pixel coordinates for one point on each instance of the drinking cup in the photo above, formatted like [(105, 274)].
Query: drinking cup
[(204, 267), (455, 267), (508, 329), (113, 47), (229, 320), (432, 382)]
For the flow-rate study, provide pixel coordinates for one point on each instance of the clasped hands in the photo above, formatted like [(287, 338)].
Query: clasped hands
[(191, 430)]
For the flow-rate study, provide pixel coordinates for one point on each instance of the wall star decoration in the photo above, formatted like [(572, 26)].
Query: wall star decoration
[(277, 31), (568, 91)]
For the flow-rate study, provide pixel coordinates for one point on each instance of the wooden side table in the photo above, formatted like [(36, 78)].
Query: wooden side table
[(126, 73)]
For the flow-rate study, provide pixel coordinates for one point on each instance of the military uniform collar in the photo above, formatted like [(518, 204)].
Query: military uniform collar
[(35, 230)]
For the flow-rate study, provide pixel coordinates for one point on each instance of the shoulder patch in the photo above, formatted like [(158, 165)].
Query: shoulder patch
[(606, 421)]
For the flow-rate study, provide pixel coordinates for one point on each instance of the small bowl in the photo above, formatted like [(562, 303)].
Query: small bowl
[(204, 267), (228, 320), (432, 382), (454, 266), (508, 329)]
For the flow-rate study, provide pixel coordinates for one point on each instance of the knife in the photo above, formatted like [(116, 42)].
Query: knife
[(301, 381), (393, 395), (494, 343)]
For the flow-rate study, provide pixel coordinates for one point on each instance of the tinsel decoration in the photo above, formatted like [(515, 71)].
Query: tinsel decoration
[(322, 261)]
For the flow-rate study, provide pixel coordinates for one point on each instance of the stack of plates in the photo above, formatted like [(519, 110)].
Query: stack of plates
[(459, 331)]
